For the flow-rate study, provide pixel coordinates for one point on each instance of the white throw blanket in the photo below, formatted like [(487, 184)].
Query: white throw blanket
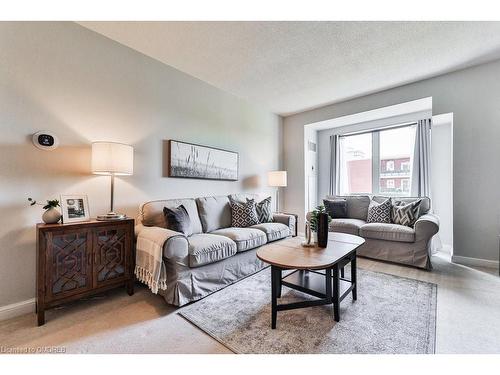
[(149, 265)]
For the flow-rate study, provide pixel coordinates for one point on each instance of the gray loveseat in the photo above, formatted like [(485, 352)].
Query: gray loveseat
[(216, 254), (389, 242)]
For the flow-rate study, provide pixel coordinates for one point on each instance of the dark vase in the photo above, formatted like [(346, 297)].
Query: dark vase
[(322, 230)]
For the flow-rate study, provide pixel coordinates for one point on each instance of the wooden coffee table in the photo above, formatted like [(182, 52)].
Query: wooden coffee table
[(317, 271)]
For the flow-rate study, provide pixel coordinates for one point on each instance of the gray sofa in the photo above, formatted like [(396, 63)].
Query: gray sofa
[(216, 254), (389, 242)]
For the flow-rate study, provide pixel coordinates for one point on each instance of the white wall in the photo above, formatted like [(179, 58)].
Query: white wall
[(442, 176), (85, 87), (311, 168), (473, 95)]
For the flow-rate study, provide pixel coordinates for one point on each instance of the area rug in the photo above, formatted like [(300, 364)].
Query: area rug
[(392, 315)]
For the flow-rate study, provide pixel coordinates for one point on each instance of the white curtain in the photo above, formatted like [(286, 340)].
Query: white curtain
[(334, 165), (420, 182), (421, 175)]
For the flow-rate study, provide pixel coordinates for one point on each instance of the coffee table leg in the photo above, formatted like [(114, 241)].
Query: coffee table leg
[(328, 286), (354, 277), (278, 282), (335, 295), (274, 303)]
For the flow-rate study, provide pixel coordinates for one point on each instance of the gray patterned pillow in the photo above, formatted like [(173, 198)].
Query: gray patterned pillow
[(405, 213), (379, 212), (243, 214), (264, 212)]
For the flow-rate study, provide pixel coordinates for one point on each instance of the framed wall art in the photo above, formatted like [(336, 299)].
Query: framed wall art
[(188, 160)]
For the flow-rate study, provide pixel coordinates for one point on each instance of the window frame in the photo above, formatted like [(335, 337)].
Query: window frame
[(375, 158)]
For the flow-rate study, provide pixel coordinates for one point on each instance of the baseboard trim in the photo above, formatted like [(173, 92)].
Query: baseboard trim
[(474, 262), (17, 309)]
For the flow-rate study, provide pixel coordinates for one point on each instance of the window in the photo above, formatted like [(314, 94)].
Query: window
[(405, 184), (377, 162), (355, 170), (396, 150)]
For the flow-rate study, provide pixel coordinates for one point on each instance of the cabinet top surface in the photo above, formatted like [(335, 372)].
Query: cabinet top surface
[(92, 222)]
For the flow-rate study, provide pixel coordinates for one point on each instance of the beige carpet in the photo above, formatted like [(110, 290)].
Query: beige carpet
[(112, 323), (468, 312)]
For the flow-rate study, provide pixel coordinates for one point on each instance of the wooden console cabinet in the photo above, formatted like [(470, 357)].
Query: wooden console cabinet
[(76, 260)]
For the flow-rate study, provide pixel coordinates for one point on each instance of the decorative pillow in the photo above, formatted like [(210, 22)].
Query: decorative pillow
[(404, 213), (264, 212), (379, 212), (336, 208), (243, 214), (177, 219)]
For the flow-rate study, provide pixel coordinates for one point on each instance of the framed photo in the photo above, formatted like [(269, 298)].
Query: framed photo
[(75, 208), (188, 160)]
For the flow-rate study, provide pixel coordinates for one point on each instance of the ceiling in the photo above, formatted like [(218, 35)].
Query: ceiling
[(289, 67)]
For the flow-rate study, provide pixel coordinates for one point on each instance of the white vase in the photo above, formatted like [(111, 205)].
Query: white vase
[(51, 216)]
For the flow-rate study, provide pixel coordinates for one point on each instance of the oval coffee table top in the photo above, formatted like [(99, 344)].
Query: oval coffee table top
[(289, 253)]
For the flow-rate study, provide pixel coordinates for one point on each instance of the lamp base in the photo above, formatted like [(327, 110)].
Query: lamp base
[(111, 216)]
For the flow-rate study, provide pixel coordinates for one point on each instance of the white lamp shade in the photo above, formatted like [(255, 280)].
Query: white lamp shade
[(112, 158), (276, 178)]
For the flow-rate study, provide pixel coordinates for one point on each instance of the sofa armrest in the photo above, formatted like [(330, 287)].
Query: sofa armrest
[(287, 219), (426, 226), (176, 243)]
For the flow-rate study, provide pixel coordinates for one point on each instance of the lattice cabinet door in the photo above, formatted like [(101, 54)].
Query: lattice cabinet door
[(68, 261), (111, 254)]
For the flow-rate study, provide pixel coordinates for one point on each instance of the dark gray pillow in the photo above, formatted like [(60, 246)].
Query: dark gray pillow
[(243, 214), (336, 208), (177, 219), (379, 212)]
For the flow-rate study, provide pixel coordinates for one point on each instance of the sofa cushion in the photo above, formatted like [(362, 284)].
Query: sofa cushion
[(151, 213), (405, 213), (425, 204), (243, 214), (357, 205), (273, 231), (205, 248), (215, 212), (387, 232), (242, 197), (336, 208), (177, 219), (245, 238), (349, 226), (379, 212), (264, 211)]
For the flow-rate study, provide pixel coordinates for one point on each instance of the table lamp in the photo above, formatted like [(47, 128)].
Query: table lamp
[(114, 159), (277, 179)]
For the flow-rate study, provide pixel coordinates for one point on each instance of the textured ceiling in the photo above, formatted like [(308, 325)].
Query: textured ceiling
[(290, 67)]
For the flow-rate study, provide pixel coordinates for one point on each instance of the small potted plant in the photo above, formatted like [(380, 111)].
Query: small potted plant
[(313, 221), (51, 215)]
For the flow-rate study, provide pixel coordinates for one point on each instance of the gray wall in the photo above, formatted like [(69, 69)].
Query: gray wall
[(473, 95), (85, 87)]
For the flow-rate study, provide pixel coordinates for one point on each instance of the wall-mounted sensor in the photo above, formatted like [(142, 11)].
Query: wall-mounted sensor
[(45, 140)]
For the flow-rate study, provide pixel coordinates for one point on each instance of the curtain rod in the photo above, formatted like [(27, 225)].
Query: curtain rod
[(388, 127)]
